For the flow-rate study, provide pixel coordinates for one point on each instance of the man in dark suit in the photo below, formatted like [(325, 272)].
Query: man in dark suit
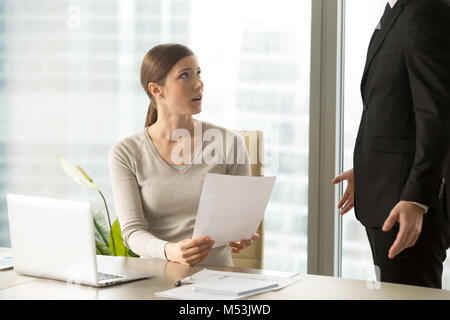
[(399, 183)]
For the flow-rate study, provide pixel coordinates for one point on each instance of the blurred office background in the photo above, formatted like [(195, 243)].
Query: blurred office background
[(69, 86)]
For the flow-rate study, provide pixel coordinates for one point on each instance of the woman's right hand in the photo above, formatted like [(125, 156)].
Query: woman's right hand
[(189, 251), (347, 201)]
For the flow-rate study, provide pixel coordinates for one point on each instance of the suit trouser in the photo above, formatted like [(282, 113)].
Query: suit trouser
[(420, 265)]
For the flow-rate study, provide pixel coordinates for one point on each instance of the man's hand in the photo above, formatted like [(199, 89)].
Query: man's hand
[(410, 217), (347, 201)]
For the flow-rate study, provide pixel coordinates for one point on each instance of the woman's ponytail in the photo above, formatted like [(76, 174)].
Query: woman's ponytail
[(152, 114)]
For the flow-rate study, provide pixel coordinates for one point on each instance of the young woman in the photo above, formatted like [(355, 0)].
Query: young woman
[(157, 179)]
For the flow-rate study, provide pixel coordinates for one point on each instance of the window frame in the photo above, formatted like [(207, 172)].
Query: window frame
[(326, 137)]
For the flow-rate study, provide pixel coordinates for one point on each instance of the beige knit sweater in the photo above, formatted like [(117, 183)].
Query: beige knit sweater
[(156, 203)]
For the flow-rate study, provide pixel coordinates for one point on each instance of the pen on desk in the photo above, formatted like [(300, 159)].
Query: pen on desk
[(180, 282)]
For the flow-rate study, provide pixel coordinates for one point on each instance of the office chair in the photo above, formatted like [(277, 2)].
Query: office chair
[(253, 256)]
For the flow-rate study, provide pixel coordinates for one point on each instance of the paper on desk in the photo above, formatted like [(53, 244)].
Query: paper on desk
[(284, 279), (234, 286), (206, 274), (231, 207), (187, 292)]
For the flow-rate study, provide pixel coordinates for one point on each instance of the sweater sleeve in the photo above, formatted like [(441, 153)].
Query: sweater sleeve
[(128, 203)]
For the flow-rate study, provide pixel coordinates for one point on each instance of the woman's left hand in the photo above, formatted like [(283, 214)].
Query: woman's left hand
[(236, 247)]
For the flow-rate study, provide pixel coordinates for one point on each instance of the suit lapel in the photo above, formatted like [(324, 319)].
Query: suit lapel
[(381, 35)]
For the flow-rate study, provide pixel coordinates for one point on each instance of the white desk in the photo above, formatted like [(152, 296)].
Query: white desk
[(14, 286)]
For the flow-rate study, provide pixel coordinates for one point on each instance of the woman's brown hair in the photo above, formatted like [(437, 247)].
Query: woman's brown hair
[(156, 64)]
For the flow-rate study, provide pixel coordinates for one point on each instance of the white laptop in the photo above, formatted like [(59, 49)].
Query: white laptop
[(54, 239)]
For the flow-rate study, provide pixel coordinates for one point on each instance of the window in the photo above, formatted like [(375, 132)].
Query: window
[(69, 85), (262, 83)]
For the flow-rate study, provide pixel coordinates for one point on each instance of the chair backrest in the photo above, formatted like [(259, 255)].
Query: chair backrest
[(253, 256)]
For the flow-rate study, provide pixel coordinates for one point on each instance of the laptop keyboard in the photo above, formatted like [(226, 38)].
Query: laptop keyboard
[(107, 276)]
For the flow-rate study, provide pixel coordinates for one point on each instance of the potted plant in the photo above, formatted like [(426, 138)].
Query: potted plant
[(106, 242)]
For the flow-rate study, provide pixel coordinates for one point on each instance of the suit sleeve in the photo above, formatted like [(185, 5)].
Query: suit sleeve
[(428, 63)]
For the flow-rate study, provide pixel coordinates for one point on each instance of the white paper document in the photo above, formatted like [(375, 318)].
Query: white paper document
[(231, 207), (234, 286), (218, 281)]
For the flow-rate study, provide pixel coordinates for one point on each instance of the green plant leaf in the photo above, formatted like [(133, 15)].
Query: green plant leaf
[(131, 254), (118, 240), (102, 249), (121, 250), (100, 228)]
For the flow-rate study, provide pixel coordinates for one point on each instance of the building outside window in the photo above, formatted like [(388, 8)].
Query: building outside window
[(69, 86)]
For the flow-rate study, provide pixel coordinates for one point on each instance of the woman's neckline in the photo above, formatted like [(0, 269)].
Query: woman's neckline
[(197, 149)]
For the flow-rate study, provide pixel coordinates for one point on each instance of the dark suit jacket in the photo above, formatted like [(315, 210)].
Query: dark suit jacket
[(402, 150)]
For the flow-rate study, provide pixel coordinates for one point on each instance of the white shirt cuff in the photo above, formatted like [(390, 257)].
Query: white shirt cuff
[(424, 207)]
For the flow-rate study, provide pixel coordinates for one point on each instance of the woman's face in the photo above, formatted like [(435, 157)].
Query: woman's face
[(183, 88)]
